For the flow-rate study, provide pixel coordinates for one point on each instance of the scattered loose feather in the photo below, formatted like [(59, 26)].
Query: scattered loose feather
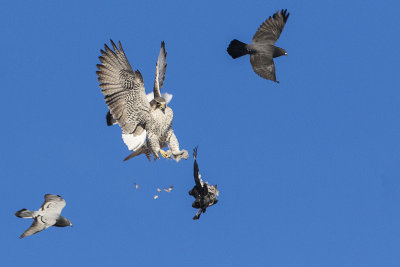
[(169, 189)]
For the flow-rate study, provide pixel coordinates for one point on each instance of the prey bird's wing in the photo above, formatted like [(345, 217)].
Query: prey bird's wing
[(263, 65), (123, 88), (196, 169), (53, 204), (272, 28), (37, 226), (161, 67)]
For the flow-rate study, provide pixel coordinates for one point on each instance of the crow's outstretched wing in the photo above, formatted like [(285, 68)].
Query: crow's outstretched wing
[(272, 28), (264, 66)]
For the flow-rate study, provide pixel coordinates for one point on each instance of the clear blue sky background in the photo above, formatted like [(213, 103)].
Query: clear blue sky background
[(308, 169)]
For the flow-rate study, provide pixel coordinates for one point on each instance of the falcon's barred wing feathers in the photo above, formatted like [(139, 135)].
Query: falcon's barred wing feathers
[(123, 88), (161, 67)]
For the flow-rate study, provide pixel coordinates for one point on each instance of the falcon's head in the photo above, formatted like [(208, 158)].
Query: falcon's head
[(158, 103)]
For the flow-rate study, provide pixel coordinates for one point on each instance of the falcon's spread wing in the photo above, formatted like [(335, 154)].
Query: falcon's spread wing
[(123, 88), (271, 29), (263, 65), (161, 67), (37, 226), (53, 204)]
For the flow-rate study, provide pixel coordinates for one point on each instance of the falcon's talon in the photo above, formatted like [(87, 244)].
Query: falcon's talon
[(163, 153)]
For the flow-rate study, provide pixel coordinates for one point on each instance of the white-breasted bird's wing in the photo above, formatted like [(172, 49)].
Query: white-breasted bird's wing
[(37, 226), (53, 204)]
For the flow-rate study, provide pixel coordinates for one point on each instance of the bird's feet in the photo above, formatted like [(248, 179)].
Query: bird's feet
[(164, 154)]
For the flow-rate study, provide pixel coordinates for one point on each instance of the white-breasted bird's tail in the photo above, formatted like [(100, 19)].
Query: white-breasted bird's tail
[(24, 213)]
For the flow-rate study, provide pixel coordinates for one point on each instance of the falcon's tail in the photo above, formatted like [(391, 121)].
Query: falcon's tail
[(139, 152), (237, 49), (24, 213), (110, 119)]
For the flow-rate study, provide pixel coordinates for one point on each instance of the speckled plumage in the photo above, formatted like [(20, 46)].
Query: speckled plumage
[(129, 106)]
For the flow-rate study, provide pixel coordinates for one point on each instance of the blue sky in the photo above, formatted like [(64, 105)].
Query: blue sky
[(308, 169)]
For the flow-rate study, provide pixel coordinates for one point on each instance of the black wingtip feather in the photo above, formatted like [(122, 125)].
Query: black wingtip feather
[(110, 119), (195, 152), (285, 15)]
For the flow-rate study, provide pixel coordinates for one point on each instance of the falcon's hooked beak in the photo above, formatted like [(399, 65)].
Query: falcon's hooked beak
[(163, 106), (285, 54)]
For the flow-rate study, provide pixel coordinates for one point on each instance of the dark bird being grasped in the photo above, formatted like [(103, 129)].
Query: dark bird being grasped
[(145, 120), (205, 195), (263, 49), (48, 215)]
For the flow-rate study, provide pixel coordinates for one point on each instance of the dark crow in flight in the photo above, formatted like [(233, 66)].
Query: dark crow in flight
[(205, 194), (263, 49)]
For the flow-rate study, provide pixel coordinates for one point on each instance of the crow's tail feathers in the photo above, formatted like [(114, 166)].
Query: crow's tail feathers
[(110, 119), (237, 49), (24, 213)]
